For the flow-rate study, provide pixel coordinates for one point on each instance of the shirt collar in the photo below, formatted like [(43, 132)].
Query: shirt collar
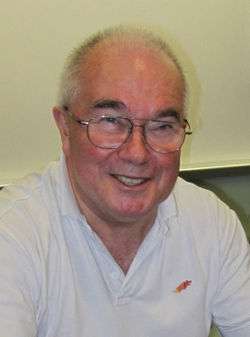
[(68, 204), (167, 210)]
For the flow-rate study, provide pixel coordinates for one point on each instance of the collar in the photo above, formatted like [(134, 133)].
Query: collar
[(68, 204), (166, 211)]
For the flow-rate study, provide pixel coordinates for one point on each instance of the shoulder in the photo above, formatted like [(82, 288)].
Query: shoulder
[(198, 201), (24, 211), (13, 195), (30, 191), (203, 214), (186, 192), (20, 202)]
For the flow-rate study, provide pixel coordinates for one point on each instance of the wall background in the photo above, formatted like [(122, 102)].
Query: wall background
[(212, 38)]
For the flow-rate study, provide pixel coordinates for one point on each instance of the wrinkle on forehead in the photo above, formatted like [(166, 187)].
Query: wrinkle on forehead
[(136, 71)]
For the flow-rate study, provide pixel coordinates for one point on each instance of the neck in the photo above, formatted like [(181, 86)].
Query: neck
[(121, 235), (122, 239)]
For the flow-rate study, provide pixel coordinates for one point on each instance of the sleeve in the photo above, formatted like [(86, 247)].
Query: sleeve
[(231, 307), (17, 289)]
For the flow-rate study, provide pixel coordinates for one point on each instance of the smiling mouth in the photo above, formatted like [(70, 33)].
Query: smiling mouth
[(129, 181)]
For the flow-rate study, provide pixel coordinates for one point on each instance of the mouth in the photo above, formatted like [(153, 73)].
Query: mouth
[(130, 181)]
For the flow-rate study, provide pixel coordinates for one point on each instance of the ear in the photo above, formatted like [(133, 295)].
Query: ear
[(62, 125)]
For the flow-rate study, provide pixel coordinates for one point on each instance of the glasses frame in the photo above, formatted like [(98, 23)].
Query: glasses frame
[(86, 123)]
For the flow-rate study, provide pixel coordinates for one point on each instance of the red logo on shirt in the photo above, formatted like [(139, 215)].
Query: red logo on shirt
[(183, 286)]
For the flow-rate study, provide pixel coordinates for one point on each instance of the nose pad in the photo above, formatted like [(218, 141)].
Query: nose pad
[(135, 148)]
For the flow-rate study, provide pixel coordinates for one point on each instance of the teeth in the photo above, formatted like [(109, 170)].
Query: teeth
[(130, 181)]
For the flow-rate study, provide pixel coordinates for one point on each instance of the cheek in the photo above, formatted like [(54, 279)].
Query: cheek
[(168, 171), (86, 159), (77, 145)]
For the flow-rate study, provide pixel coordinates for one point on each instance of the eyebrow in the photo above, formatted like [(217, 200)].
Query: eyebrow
[(120, 106), (109, 104), (171, 112)]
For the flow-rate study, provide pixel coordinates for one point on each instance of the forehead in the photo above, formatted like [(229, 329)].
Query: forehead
[(132, 72)]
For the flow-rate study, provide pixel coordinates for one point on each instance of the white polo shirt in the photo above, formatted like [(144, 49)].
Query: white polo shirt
[(57, 279)]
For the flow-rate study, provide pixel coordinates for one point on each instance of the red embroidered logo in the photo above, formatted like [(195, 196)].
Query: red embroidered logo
[(183, 286)]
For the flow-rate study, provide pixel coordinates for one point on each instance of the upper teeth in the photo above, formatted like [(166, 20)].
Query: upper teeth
[(130, 181)]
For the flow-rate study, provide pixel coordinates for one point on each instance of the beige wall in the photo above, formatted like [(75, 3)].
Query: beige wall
[(212, 37)]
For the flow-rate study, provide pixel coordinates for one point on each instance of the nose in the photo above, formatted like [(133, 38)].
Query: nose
[(134, 150)]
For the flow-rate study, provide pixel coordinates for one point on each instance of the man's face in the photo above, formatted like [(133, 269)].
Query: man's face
[(128, 183)]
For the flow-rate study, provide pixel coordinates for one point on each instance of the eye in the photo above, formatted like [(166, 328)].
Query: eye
[(111, 124), (161, 126), (109, 120), (164, 125)]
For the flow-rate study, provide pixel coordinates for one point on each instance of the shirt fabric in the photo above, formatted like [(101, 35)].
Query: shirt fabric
[(57, 279)]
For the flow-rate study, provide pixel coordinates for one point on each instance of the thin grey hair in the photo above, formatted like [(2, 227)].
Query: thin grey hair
[(69, 87)]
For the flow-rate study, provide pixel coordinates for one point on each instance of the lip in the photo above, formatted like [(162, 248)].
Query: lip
[(127, 181)]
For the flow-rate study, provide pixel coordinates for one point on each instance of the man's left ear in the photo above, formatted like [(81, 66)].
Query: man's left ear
[(60, 119), (63, 127)]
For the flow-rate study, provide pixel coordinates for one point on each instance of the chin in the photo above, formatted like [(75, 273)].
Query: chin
[(134, 210)]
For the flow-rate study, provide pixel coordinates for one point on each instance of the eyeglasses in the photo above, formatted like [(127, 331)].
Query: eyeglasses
[(111, 132)]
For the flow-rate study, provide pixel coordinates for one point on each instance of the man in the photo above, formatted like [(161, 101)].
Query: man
[(109, 242)]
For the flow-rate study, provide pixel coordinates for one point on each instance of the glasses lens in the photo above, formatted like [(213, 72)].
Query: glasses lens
[(108, 131), (164, 136)]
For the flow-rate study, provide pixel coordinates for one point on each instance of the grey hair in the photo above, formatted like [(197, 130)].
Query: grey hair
[(69, 87)]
